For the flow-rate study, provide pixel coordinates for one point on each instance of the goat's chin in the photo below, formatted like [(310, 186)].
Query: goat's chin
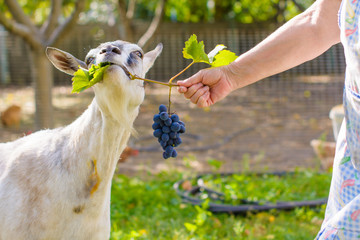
[(116, 72), (118, 75), (120, 79)]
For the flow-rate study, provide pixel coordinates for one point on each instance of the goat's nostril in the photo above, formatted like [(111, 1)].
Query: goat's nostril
[(110, 49), (116, 50)]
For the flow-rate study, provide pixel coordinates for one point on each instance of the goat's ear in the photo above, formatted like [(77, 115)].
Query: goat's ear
[(64, 61), (150, 57)]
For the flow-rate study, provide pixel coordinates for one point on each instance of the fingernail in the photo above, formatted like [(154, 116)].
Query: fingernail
[(181, 89)]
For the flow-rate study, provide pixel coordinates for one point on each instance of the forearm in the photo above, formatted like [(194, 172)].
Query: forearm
[(301, 39)]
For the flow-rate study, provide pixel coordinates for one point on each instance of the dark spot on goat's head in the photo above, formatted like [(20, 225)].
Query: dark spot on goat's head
[(133, 58), (130, 61)]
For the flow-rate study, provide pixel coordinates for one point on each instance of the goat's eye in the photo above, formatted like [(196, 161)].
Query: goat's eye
[(89, 60), (139, 54)]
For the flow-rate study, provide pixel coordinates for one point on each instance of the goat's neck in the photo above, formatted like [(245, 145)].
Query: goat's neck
[(98, 140)]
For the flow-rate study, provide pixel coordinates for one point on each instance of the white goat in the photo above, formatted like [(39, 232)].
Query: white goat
[(56, 184)]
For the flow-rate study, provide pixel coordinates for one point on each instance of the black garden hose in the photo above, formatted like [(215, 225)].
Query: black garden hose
[(246, 206)]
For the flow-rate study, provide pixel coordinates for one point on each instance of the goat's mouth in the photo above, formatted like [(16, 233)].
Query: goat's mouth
[(126, 71)]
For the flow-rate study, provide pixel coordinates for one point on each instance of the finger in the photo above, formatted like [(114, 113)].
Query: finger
[(198, 94), (182, 89), (196, 78), (192, 90), (203, 100)]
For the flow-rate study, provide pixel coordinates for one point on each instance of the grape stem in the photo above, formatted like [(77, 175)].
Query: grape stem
[(171, 79), (133, 77), (170, 82)]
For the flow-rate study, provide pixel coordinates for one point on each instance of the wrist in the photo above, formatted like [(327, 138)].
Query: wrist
[(239, 75)]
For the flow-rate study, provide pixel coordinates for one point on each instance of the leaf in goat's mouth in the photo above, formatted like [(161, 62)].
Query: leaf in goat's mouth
[(84, 79)]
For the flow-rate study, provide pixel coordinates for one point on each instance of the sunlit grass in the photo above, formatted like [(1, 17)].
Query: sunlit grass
[(150, 209)]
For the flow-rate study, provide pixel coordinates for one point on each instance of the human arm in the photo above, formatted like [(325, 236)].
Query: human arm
[(301, 39)]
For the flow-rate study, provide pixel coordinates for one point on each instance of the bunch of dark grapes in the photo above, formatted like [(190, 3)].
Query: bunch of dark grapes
[(167, 128)]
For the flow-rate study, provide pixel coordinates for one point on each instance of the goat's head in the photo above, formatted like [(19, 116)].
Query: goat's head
[(116, 93)]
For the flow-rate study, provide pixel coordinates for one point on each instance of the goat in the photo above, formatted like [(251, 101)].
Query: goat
[(56, 184)]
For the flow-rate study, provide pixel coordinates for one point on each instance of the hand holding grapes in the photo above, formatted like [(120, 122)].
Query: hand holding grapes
[(208, 86)]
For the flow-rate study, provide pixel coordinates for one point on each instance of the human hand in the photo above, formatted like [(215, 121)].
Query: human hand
[(207, 87)]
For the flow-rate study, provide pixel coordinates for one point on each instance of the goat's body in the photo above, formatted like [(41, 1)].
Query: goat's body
[(56, 184), (65, 193)]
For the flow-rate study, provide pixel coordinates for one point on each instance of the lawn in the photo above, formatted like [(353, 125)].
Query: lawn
[(147, 207)]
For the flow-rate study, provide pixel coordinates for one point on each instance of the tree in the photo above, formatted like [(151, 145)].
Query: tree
[(126, 12), (15, 17)]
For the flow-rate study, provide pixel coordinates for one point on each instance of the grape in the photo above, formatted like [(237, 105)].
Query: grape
[(165, 137), (163, 144), (174, 154), (175, 127), (177, 141), (157, 118), (175, 118), (169, 150), (156, 126), (182, 129), (164, 116), (158, 133), (167, 129), (162, 108), (168, 122), (165, 155), (172, 135)]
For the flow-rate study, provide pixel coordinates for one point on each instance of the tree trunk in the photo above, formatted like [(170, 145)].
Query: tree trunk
[(43, 83)]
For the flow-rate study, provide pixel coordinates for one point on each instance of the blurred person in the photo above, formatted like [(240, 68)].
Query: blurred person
[(301, 39)]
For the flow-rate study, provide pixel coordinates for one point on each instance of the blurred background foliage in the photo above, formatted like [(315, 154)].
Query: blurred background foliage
[(38, 10), (241, 11), (244, 11)]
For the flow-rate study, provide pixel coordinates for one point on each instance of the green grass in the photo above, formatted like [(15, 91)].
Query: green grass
[(150, 209)]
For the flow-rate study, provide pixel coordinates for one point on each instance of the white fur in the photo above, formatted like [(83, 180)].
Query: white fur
[(55, 184)]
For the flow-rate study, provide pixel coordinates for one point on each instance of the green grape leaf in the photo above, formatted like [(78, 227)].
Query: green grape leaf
[(80, 81), (195, 50), (84, 79), (224, 57), (97, 74)]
